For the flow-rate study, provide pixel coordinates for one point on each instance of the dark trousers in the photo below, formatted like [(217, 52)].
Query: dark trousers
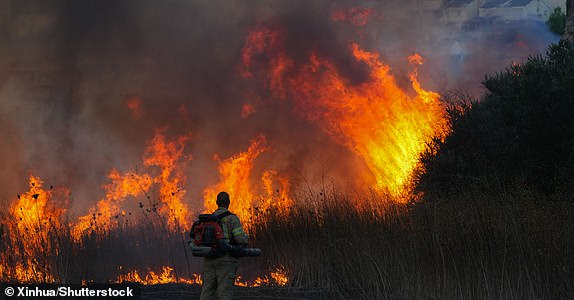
[(219, 277)]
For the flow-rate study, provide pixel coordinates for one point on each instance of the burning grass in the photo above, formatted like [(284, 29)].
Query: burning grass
[(377, 245), (40, 245), (348, 246), (30, 235), (139, 227), (491, 245)]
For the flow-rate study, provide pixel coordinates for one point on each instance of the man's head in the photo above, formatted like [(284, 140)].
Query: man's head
[(222, 199)]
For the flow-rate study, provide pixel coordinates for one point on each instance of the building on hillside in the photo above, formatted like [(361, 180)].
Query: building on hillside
[(518, 9), (459, 11)]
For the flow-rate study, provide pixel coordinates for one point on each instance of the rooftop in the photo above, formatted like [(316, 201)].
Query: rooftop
[(458, 3), (505, 3)]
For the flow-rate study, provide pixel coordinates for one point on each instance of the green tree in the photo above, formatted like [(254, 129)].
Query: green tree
[(520, 134), (557, 21)]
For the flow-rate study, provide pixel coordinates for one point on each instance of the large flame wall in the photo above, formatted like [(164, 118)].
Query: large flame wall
[(85, 84), (384, 124), (126, 106)]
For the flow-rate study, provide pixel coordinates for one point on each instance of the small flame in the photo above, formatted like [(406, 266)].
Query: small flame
[(167, 275), (134, 104), (356, 15), (247, 110), (164, 277)]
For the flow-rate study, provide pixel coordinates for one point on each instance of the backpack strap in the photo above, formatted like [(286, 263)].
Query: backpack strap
[(220, 221), (225, 214)]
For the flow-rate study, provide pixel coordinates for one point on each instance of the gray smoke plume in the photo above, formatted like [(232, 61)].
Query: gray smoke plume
[(71, 69)]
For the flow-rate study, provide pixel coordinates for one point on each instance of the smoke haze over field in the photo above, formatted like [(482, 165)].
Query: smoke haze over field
[(85, 83)]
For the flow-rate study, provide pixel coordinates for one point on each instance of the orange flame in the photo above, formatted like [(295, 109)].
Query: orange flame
[(160, 153), (275, 278), (247, 110), (272, 192), (276, 193), (165, 155), (134, 104), (383, 124), (356, 16), (36, 219), (100, 217), (235, 179), (34, 210), (166, 276), (258, 42)]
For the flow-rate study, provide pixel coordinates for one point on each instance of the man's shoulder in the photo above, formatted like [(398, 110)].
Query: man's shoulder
[(233, 217), (220, 211)]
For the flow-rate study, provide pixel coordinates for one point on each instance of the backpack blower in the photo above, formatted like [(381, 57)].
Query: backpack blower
[(208, 239)]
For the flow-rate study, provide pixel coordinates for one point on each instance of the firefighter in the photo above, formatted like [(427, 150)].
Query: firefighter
[(219, 273)]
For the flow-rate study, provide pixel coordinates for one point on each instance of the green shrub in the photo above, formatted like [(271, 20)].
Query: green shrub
[(557, 21), (520, 134)]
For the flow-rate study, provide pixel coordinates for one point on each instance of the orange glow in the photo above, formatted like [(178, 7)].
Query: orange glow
[(275, 278), (271, 192), (276, 193), (356, 16), (280, 276), (100, 218), (35, 219), (257, 42), (384, 124), (165, 155), (235, 179), (161, 154), (33, 208), (167, 275), (134, 104), (247, 110)]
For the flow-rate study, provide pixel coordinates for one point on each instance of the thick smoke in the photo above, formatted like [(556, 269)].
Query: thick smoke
[(85, 83)]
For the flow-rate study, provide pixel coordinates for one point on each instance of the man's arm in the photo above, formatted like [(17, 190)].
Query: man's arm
[(239, 235)]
